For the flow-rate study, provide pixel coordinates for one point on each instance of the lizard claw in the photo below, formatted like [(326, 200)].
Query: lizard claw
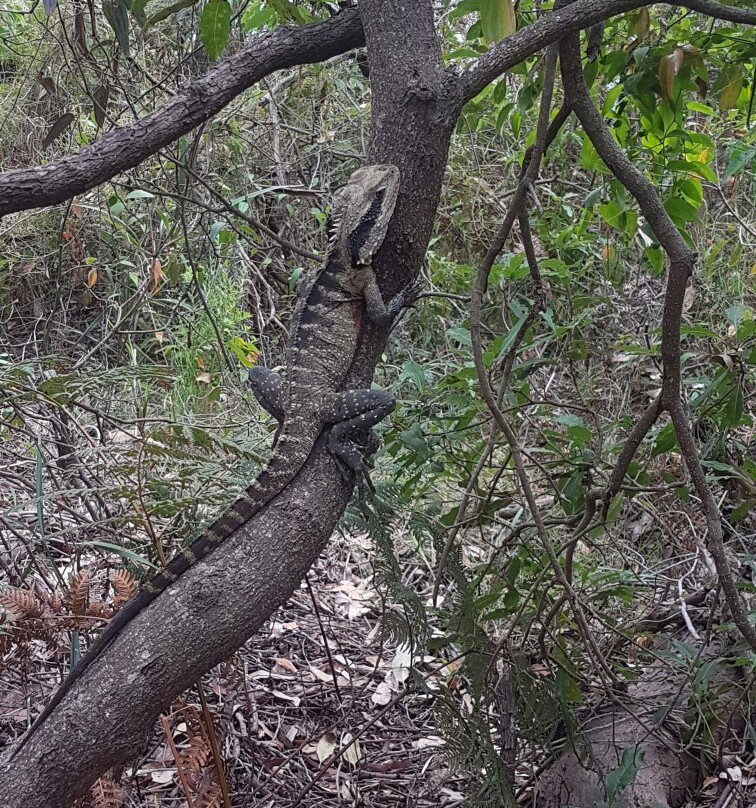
[(406, 298), (412, 292)]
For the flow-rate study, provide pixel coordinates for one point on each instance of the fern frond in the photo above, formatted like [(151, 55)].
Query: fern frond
[(124, 586), (21, 604), (78, 592)]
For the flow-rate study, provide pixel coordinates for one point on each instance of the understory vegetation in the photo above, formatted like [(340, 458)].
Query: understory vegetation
[(512, 615)]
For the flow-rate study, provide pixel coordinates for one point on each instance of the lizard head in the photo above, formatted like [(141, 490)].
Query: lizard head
[(362, 210)]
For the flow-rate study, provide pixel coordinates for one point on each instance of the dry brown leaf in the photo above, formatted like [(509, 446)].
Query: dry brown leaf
[(286, 664), (157, 275), (57, 129), (641, 23), (106, 793), (124, 586), (669, 67)]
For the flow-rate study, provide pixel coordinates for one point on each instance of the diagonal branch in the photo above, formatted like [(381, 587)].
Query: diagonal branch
[(128, 146), (569, 20)]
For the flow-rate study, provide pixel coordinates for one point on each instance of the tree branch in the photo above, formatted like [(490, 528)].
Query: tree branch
[(128, 146), (681, 260), (569, 20)]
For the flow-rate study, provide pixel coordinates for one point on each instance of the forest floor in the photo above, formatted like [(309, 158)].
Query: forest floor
[(312, 711)]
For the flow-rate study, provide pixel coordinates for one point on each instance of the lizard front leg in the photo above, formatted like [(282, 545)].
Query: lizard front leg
[(382, 313)]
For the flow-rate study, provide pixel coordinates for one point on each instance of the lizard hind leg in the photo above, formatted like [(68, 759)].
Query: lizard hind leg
[(269, 390), (356, 412)]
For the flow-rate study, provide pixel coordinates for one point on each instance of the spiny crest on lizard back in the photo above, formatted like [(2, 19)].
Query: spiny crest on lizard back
[(361, 212)]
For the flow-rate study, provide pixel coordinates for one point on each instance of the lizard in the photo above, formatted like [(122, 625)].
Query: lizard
[(325, 332)]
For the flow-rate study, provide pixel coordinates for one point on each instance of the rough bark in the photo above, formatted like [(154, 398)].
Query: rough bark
[(217, 605)]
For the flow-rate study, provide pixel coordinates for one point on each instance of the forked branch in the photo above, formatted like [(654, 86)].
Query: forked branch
[(681, 260)]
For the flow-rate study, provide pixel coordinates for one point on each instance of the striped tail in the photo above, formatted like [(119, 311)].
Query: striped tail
[(294, 446)]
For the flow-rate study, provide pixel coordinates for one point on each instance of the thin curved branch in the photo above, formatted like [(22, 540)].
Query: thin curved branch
[(128, 146), (681, 259), (544, 135), (569, 20)]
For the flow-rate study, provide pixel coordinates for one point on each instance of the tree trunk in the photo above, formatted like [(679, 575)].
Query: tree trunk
[(214, 607)]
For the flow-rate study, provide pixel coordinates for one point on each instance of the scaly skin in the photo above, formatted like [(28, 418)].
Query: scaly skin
[(325, 333)]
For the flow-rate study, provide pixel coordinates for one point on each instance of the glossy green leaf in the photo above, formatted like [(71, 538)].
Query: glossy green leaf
[(498, 19), (680, 210), (214, 27), (665, 440)]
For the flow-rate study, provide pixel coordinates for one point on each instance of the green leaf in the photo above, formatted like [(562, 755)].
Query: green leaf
[(413, 439), (464, 7), (572, 491), (733, 84), (704, 109), (579, 435), (680, 210), (736, 312), (611, 213), (739, 156), (512, 335), (137, 10), (665, 440), (166, 12), (655, 257), (592, 197), (460, 335), (257, 15), (286, 11), (735, 406), (567, 688), (692, 191), (214, 27), (624, 775), (115, 12), (698, 331), (498, 19), (121, 551), (741, 511), (415, 373)]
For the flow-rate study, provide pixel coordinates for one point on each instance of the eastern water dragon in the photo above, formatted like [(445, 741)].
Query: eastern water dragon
[(325, 333)]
